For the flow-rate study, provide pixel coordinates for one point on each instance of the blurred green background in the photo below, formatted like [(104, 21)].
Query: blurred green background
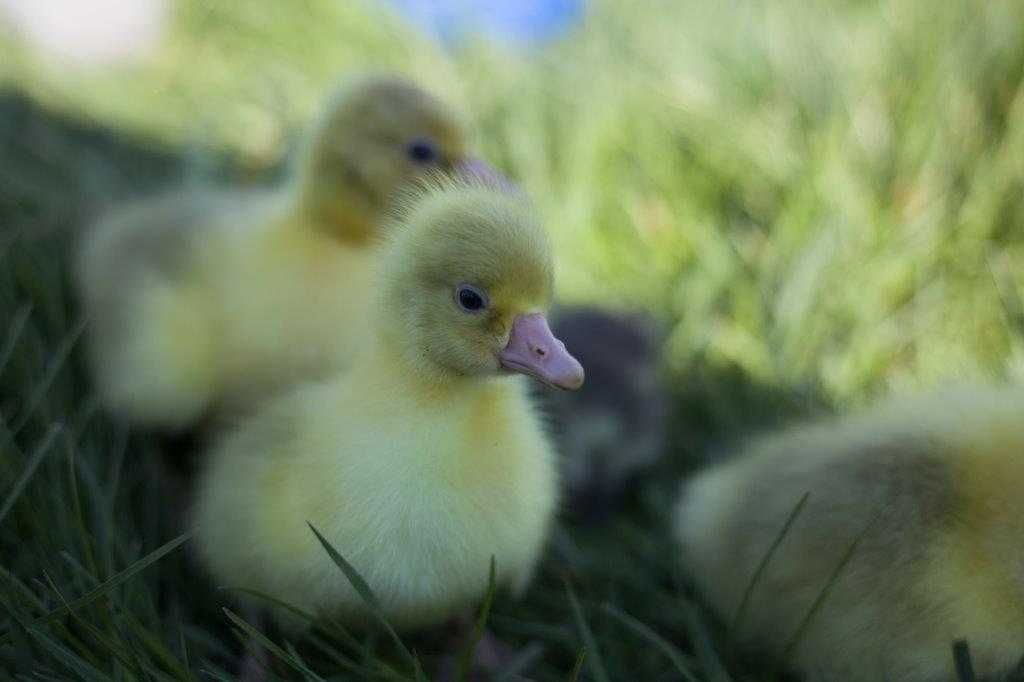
[(821, 202), (824, 192)]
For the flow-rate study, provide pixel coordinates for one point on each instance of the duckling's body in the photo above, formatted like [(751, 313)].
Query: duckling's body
[(233, 307), (403, 482), (214, 299), (422, 462), (932, 489)]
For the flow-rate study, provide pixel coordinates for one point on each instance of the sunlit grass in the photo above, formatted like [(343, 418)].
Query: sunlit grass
[(825, 192)]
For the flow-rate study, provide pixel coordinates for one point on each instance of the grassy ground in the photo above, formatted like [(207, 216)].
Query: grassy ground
[(823, 202)]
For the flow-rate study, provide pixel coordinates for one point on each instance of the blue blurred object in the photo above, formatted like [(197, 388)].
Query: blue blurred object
[(523, 22)]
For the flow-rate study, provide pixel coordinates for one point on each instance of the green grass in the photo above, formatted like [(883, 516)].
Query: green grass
[(821, 201)]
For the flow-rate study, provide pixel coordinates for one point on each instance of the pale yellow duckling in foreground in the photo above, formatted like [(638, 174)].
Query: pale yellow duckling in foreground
[(197, 301), (427, 458), (933, 488)]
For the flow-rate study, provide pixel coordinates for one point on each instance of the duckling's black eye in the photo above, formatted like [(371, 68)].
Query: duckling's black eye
[(470, 299), (422, 151)]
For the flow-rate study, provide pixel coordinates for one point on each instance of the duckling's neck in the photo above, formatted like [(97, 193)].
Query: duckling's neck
[(348, 218), (386, 361)]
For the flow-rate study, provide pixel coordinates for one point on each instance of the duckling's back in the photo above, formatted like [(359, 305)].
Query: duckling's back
[(147, 310), (212, 299), (913, 506)]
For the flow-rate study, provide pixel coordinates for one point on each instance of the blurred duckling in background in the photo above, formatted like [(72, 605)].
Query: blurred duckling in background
[(923, 497), (204, 301), (614, 428), (425, 459)]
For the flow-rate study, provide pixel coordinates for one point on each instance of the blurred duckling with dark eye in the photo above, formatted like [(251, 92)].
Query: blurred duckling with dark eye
[(914, 517), (427, 458), (613, 429), (200, 302)]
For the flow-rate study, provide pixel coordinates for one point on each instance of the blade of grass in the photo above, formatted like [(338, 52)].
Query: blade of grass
[(332, 652), (17, 627), (962, 660), (334, 628), (577, 667), (116, 457), (183, 645), (304, 615), (7, 241), (594, 661), (98, 636), (673, 654), (117, 579), (360, 585), (14, 333), (76, 505), (20, 626), (42, 387), (703, 644), (22, 589), (358, 582), (90, 581), (755, 579), (349, 665), (1009, 299), (156, 647), (521, 661), (551, 633), (68, 659), (290, 648), (466, 660), (265, 642), (819, 601), (134, 633), (219, 675), (34, 460)]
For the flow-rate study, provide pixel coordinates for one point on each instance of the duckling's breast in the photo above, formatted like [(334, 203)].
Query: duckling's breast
[(455, 485)]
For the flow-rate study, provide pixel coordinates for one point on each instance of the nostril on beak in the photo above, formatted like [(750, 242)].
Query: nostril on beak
[(540, 351)]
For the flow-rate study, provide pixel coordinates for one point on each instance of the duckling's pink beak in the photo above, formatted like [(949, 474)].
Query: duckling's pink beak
[(533, 350), (478, 170)]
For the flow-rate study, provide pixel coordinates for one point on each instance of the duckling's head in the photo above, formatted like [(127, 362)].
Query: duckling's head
[(466, 284), (377, 135)]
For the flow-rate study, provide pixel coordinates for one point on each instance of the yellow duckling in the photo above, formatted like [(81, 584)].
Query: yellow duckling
[(425, 459), (214, 300), (915, 516)]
